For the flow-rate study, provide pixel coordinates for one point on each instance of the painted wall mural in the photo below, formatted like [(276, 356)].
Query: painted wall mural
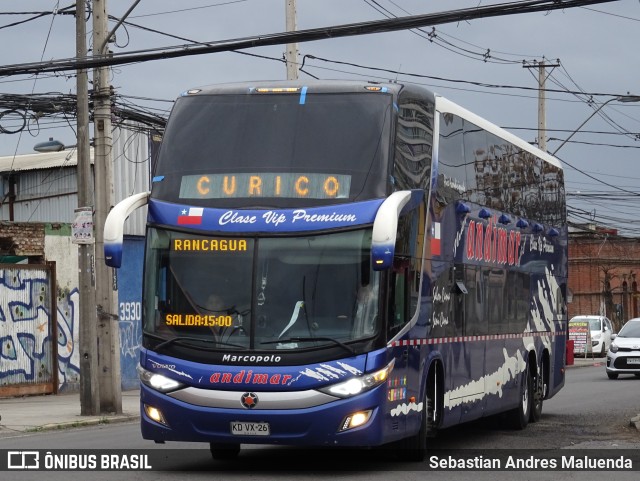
[(68, 350), (25, 331), (26, 343), (130, 310)]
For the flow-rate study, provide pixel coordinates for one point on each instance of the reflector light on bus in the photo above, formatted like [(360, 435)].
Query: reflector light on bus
[(278, 90)]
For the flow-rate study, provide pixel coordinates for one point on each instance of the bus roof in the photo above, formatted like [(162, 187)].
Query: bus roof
[(341, 86), (445, 105)]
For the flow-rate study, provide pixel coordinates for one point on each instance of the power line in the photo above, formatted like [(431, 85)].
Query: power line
[(353, 29), (461, 81)]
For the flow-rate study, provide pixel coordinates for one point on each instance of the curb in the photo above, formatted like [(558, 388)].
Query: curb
[(587, 361), (122, 418)]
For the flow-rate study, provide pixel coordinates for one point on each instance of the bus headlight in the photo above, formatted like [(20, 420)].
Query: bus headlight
[(357, 385), (158, 381)]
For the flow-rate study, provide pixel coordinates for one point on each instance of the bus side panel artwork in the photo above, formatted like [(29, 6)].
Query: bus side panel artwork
[(507, 275)]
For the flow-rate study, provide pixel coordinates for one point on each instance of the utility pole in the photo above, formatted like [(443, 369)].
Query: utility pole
[(542, 115), (291, 54), (105, 301), (89, 388)]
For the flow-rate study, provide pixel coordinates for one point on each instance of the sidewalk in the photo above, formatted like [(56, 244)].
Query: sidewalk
[(588, 361), (59, 411)]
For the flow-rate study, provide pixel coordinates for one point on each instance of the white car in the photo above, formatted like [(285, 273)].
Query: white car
[(623, 356), (601, 331)]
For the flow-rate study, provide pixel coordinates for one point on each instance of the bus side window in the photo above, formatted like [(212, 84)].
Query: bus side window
[(399, 284), (408, 249)]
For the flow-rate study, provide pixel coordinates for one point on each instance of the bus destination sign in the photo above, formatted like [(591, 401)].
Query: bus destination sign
[(265, 185)]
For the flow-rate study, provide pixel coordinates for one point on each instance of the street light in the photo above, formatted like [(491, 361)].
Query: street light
[(49, 146), (87, 314), (622, 98)]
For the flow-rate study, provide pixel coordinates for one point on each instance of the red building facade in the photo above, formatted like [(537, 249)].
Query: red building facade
[(604, 271)]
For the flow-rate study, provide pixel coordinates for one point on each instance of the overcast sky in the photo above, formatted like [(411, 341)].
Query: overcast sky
[(478, 64)]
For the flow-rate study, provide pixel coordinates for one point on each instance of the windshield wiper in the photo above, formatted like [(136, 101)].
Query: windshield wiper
[(311, 339), (197, 339)]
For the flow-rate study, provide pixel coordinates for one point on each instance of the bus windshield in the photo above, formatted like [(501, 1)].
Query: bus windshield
[(253, 149), (261, 293)]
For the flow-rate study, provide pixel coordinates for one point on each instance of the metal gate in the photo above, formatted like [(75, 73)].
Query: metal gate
[(28, 330)]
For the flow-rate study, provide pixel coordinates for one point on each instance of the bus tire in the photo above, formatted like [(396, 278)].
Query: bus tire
[(414, 448), (434, 400), (518, 418), (539, 390), (220, 451)]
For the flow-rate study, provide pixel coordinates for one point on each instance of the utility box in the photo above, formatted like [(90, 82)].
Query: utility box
[(569, 352)]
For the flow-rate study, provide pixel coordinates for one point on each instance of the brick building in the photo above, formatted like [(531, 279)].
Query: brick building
[(604, 271), (24, 240)]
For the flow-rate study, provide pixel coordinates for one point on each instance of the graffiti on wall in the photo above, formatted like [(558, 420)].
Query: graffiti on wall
[(25, 332), (25, 339), (68, 335)]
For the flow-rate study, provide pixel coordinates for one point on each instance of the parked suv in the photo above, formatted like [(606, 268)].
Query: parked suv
[(601, 331), (623, 356)]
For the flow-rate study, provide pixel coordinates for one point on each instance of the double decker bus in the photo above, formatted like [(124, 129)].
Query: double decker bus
[(345, 263)]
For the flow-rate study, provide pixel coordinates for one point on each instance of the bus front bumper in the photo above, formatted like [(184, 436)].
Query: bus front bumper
[(322, 425)]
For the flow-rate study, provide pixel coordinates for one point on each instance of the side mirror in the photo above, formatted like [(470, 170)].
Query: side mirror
[(114, 227), (385, 227)]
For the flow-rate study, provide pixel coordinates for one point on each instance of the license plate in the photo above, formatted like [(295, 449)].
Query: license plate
[(633, 360), (240, 428)]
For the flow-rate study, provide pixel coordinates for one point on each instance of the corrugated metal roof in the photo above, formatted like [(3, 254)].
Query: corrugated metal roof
[(49, 160), (46, 187)]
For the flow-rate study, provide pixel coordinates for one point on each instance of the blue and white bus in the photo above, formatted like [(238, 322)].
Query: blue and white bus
[(345, 263)]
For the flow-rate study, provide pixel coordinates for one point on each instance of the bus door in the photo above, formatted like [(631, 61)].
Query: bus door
[(469, 368), (404, 383)]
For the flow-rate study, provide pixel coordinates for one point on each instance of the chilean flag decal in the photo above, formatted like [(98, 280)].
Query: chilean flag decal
[(435, 239), (191, 217)]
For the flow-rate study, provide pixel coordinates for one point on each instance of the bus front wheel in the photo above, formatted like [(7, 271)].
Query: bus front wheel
[(414, 448), (221, 451)]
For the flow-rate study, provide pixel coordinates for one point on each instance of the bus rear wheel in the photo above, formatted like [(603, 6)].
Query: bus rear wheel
[(518, 418), (539, 391), (220, 451)]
